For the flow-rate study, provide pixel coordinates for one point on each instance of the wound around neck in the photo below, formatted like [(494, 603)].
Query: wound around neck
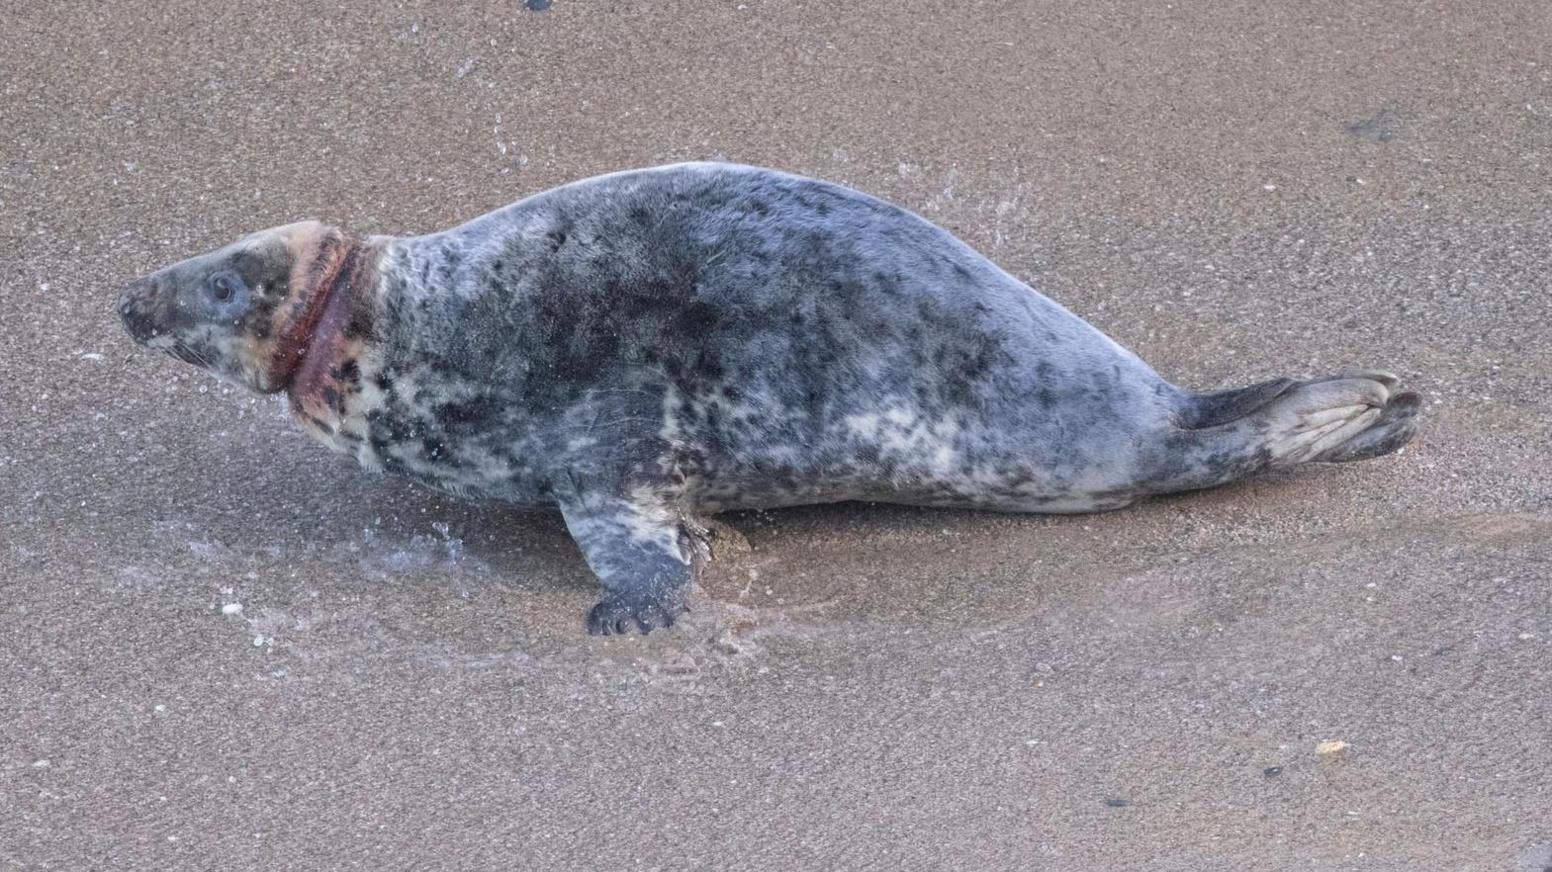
[(322, 374)]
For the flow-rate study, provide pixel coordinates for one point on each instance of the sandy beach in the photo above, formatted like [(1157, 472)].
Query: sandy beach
[(225, 647)]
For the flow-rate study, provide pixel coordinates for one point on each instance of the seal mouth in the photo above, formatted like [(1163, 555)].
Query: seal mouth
[(336, 267)]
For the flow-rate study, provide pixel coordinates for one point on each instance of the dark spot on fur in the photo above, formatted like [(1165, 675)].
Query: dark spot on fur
[(707, 366), (472, 413), (349, 372), (378, 444), (360, 325)]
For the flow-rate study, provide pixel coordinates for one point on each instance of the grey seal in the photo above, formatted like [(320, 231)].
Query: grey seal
[(645, 348)]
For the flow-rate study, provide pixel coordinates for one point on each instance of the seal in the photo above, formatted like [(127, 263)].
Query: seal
[(645, 348)]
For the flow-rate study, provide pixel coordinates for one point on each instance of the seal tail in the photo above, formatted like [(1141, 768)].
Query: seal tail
[(1230, 435)]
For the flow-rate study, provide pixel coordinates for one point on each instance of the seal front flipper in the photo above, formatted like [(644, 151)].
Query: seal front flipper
[(642, 553)]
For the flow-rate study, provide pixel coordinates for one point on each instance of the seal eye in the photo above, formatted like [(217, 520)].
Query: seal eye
[(225, 296)]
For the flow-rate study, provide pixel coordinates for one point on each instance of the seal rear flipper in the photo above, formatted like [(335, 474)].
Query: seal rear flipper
[(1216, 408), (1339, 419), (642, 554), (1335, 419), (1318, 416), (1395, 427)]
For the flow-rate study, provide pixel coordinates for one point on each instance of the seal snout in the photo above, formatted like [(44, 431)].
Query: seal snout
[(138, 305)]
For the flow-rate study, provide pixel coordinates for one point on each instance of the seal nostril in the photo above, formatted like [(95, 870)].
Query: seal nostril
[(136, 309)]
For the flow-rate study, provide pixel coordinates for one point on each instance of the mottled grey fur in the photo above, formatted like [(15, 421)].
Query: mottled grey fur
[(643, 347)]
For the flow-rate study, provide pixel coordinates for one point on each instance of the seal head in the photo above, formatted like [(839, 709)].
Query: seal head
[(249, 312)]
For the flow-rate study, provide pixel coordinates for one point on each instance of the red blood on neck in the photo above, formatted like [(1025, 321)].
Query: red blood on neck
[(314, 344)]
